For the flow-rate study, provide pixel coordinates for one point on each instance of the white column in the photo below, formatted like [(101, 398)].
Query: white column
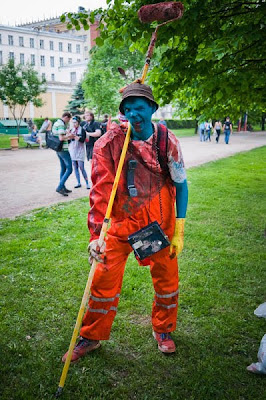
[(54, 104), (31, 110), (5, 110)]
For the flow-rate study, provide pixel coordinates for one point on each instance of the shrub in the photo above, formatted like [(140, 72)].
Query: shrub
[(39, 121)]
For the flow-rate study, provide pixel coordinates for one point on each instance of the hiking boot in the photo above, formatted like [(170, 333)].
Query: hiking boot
[(165, 342), (67, 190), (83, 347), (62, 192)]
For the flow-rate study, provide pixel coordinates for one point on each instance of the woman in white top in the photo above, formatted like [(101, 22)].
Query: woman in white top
[(217, 129), (77, 151)]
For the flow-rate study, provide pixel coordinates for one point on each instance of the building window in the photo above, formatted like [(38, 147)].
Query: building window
[(61, 61), (73, 77), (51, 45), (78, 48), (43, 76), (60, 45), (42, 61), (21, 41), (21, 59), (10, 40), (86, 48), (70, 61), (52, 61), (41, 44), (11, 56), (32, 43), (32, 59), (1, 58), (78, 60), (0, 38), (69, 47), (53, 77)]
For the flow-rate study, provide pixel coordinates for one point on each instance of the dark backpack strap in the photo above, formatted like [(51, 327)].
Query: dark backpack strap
[(162, 146)]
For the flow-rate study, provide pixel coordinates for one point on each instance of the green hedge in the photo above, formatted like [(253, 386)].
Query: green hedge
[(171, 123), (39, 121), (175, 124), (179, 123)]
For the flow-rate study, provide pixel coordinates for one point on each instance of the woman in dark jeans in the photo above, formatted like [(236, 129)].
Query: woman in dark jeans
[(217, 128), (227, 128), (93, 132), (60, 129), (76, 150)]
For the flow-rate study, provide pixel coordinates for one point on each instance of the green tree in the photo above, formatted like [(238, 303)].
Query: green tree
[(100, 87), (212, 60), (77, 103), (20, 85), (103, 81)]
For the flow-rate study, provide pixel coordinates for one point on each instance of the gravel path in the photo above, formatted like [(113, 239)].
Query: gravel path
[(29, 176)]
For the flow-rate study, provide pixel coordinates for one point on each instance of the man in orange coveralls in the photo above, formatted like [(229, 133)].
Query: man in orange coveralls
[(157, 192)]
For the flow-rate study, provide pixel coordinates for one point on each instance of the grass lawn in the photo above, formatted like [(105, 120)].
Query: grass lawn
[(184, 132), (222, 280), (5, 141)]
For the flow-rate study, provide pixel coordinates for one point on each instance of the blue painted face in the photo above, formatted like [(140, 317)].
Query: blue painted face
[(138, 112)]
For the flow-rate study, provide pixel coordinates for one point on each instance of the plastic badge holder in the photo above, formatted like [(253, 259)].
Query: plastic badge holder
[(148, 240)]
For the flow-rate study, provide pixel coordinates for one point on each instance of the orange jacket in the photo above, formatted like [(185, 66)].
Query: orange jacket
[(149, 177)]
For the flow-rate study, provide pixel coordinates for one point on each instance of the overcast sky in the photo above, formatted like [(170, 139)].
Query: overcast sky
[(20, 11)]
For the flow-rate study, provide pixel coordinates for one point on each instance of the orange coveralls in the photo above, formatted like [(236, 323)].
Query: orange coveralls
[(130, 214)]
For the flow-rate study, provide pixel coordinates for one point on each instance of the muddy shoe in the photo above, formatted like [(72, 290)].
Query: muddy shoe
[(83, 347), (165, 342)]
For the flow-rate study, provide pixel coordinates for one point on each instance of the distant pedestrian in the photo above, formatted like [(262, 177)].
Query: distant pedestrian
[(34, 137), (227, 129), (93, 132), (103, 124), (60, 129), (46, 127), (30, 125), (162, 122), (202, 131), (77, 151), (217, 129), (208, 127)]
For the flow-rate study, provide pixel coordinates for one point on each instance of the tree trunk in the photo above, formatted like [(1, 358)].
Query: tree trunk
[(18, 126), (196, 127), (263, 122)]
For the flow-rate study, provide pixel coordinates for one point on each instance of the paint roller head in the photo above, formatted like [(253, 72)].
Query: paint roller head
[(160, 12)]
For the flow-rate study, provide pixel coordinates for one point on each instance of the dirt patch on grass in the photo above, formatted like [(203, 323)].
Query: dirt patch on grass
[(142, 320)]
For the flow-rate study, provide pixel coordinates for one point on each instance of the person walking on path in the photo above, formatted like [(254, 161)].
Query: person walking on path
[(93, 132), (217, 128), (202, 131), (159, 181), (60, 129), (208, 127), (77, 151), (227, 129)]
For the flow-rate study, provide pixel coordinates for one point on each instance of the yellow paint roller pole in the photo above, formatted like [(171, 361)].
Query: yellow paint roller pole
[(85, 297)]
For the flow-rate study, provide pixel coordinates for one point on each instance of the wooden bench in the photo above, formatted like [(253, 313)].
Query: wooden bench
[(30, 143)]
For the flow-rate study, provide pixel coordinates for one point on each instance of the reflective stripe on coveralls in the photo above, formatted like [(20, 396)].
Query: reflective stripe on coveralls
[(166, 296), (162, 305), (103, 298), (102, 311), (108, 277)]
